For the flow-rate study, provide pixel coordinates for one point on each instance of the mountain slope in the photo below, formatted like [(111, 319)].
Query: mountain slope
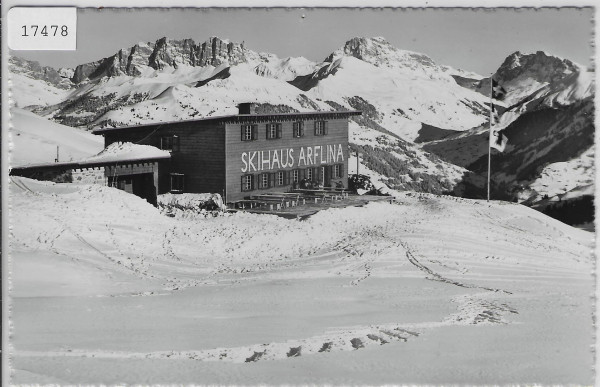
[(403, 102), (548, 120), (33, 140), (33, 84)]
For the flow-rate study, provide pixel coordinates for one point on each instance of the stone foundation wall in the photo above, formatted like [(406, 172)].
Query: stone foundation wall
[(89, 176)]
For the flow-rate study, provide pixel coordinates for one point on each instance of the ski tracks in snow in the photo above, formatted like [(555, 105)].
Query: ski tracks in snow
[(437, 277)]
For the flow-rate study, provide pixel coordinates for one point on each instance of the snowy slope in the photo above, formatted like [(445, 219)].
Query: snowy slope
[(25, 91), (33, 140), (107, 290), (559, 178), (548, 120), (566, 91), (118, 151), (522, 73), (378, 52), (285, 69), (403, 101), (393, 163), (33, 84)]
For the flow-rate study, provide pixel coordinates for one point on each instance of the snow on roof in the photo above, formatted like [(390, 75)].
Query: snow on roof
[(114, 153), (127, 151)]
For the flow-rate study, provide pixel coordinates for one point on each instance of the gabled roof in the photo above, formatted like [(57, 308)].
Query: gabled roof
[(245, 118)]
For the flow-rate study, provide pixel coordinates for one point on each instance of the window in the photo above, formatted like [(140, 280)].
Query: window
[(309, 174), (247, 183), (170, 143), (273, 131), (295, 176), (177, 180), (264, 180), (249, 132), (320, 128), (298, 128), (337, 171), (280, 178)]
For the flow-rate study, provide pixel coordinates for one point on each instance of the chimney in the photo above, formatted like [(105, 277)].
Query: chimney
[(247, 108)]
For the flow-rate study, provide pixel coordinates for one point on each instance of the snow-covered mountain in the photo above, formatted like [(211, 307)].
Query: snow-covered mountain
[(409, 90), (520, 73), (144, 58), (549, 121), (33, 84), (406, 99)]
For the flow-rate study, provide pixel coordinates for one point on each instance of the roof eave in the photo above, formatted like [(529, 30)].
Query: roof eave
[(240, 118)]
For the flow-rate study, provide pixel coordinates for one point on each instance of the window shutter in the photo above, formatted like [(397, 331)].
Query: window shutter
[(325, 127), (316, 127), (255, 132), (255, 181), (301, 174), (301, 129), (175, 143), (242, 130), (328, 172), (286, 177), (271, 179), (341, 170), (243, 188), (267, 131), (279, 131)]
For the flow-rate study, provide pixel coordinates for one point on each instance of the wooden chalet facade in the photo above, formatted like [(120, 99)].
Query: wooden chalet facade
[(244, 154)]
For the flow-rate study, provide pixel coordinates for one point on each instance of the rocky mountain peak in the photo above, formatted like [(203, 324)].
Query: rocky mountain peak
[(538, 66), (215, 51), (381, 53), (165, 53), (34, 70)]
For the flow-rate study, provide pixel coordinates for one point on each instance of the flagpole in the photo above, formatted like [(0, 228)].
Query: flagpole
[(490, 137)]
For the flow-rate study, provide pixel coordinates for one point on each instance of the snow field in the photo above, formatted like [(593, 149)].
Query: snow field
[(421, 98), (33, 140), (559, 178), (25, 91), (125, 284)]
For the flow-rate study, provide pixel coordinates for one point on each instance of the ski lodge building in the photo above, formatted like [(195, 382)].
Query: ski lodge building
[(236, 155)]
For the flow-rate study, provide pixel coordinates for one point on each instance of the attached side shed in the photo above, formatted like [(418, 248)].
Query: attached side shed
[(134, 169)]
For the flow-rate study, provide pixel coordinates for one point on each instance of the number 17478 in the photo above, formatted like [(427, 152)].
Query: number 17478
[(45, 30)]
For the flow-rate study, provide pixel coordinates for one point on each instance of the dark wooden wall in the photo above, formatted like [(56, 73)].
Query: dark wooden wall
[(209, 153), (337, 134), (200, 157)]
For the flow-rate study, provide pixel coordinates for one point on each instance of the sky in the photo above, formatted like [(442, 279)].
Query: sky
[(474, 40)]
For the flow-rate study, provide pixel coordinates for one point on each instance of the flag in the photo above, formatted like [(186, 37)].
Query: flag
[(498, 92), (498, 140), (495, 114)]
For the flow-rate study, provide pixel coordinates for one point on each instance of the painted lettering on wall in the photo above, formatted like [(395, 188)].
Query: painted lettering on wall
[(284, 158)]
